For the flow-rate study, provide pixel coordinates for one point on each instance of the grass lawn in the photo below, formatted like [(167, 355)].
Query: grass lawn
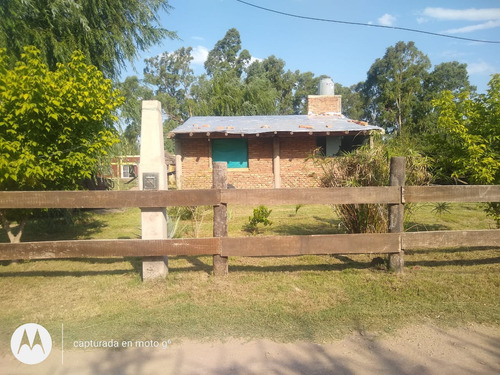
[(318, 298)]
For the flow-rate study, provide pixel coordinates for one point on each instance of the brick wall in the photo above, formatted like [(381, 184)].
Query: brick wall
[(295, 171), (324, 104), (196, 170)]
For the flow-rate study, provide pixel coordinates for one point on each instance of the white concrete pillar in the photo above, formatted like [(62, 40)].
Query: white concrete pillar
[(153, 176)]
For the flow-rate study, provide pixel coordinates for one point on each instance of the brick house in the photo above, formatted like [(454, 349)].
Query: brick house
[(125, 166), (265, 151)]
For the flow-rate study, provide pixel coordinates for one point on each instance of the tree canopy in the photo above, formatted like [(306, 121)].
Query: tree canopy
[(392, 83), (467, 138), (107, 32), (54, 125)]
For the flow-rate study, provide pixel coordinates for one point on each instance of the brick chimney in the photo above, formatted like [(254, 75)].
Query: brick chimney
[(326, 103)]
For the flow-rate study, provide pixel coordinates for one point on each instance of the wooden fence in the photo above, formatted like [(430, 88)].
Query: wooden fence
[(221, 246)]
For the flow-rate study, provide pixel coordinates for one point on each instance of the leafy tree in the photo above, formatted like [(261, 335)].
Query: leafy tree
[(108, 32), (259, 97), (392, 84), (171, 76), (283, 82), (54, 126), (467, 138), (223, 95), (227, 55), (451, 76)]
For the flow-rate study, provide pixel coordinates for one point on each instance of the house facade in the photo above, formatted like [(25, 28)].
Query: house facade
[(125, 166), (265, 151)]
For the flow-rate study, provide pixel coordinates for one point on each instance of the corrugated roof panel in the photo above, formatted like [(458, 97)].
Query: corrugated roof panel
[(269, 124)]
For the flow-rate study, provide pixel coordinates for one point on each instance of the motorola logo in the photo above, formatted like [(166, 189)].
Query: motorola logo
[(31, 343)]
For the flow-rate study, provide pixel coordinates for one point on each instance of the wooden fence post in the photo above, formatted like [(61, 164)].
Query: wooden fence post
[(220, 216), (396, 211)]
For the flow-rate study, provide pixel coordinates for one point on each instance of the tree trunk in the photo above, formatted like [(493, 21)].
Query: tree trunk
[(7, 226)]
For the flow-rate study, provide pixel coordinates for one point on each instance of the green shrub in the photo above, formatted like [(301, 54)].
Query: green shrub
[(260, 216), (369, 166)]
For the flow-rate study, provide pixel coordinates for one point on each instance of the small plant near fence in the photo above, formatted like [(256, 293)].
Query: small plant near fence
[(196, 214), (260, 216)]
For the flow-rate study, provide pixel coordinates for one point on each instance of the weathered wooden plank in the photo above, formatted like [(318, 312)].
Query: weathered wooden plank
[(108, 248), (315, 244), (219, 181), (396, 211), (378, 194), (452, 193), (450, 238), (108, 199), (117, 199)]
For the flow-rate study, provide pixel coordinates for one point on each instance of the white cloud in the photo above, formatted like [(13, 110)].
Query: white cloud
[(481, 67), (200, 54), (481, 26), (253, 59), (488, 18), (387, 20), (471, 14), (198, 38)]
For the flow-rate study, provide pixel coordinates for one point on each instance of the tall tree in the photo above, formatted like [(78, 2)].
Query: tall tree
[(259, 97), (222, 95), (227, 55), (108, 32), (450, 76), (55, 127), (392, 84), (467, 138), (284, 82), (171, 77)]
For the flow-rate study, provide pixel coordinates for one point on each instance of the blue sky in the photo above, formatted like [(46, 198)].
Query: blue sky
[(343, 52)]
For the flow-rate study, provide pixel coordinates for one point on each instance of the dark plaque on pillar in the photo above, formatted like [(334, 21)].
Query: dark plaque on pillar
[(150, 181)]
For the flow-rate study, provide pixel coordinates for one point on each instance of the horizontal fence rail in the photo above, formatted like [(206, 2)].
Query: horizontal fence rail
[(369, 243), (108, 199), (339, 195), (109, 248), (388, 243), (312, 245), (211, 197), (451, 193), (450, 238)]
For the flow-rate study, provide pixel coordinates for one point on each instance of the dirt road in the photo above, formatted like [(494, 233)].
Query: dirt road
[(417, 350)]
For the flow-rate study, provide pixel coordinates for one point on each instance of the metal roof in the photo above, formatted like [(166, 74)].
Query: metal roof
[(241, 125)]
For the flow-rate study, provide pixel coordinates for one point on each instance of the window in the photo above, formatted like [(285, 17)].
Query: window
[(330, 146), (128, 171), (334, 146), (233, 151)]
